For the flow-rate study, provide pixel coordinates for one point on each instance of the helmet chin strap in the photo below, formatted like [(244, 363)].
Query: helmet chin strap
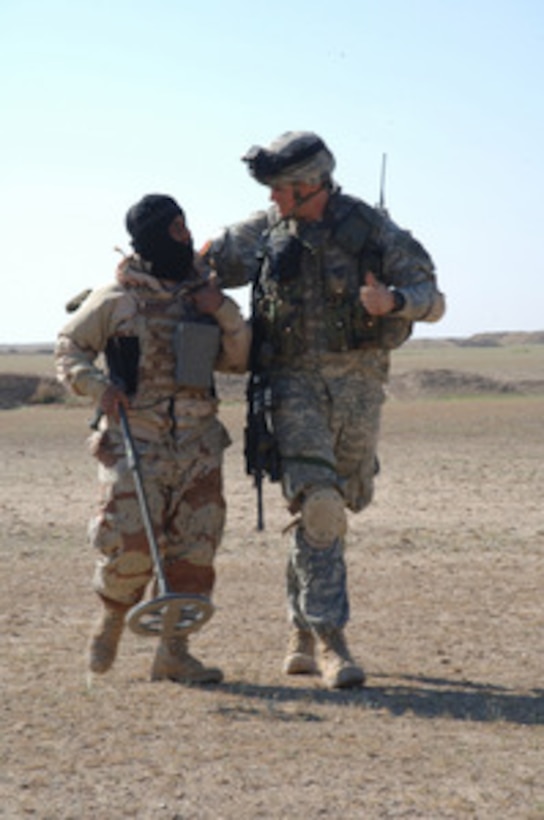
[(302, 200)]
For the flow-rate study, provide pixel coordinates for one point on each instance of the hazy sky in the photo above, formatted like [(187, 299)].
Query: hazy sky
[(105, 101)]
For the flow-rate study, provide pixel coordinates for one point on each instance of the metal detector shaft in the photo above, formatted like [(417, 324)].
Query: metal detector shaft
[(169, 613), (134, 465)]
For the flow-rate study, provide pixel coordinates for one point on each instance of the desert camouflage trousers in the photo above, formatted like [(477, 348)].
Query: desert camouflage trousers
[(183, 484), (327, 427)]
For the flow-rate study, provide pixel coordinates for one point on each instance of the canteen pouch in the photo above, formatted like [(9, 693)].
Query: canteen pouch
[(196, 346)]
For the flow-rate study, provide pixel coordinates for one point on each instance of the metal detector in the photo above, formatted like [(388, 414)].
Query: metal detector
[(170, 613)]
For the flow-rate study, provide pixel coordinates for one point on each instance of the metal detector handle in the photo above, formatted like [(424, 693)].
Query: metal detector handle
[(134, 465)]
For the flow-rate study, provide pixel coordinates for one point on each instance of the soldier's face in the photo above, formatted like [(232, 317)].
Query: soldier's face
[(284, 198), (179, 231), (300, 201)]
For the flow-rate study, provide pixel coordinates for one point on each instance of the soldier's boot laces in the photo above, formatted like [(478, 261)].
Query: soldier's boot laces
[(337, 667), (106, 636), (174, 662), (300, 658)]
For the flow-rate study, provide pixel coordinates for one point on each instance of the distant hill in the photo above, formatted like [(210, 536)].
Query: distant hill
[(504, 339), (19, 387), (499, 339)]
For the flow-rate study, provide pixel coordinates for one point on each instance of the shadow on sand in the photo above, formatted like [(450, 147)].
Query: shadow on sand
[(423, 697)]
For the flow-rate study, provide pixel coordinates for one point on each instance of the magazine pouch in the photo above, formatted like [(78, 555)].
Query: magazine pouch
[(196, 345)]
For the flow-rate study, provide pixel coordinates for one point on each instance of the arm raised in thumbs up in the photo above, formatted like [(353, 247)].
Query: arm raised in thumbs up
[(377, 298)]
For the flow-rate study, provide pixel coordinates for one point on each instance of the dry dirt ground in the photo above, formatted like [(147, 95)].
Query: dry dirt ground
[(446, 575)]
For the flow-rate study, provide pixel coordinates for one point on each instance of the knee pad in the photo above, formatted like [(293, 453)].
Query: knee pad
[(324, 517)]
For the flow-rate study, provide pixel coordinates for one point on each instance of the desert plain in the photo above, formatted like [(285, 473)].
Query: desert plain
[(446, 578)]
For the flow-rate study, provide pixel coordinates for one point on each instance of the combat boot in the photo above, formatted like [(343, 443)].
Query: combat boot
[(337, 667), (106, 636), (174, 662), (300, 658)]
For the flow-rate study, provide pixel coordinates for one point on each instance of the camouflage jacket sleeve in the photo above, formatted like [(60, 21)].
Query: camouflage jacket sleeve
[(408, 267), (83, 338), (235, 338), (234, 254)]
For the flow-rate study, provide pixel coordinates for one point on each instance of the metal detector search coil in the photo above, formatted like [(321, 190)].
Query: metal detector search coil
[(170, 615)]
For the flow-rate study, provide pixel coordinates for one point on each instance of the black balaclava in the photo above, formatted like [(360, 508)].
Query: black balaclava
[(147, 223)]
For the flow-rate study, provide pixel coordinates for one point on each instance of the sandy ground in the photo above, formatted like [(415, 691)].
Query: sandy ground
[(446, 576)]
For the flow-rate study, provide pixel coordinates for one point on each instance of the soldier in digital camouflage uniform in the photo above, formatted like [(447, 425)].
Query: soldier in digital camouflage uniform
[(337, 285), (178, 436)]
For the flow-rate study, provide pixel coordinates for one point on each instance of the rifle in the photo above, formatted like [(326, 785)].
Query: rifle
[(260, 447)]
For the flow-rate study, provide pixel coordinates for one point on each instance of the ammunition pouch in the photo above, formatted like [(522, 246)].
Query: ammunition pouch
[(350, 327), (196, 345), (286, 259), (279, 298)]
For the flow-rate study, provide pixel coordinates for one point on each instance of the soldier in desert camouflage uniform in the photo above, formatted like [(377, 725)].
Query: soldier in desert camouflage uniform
[(175, 427), (337, 285)]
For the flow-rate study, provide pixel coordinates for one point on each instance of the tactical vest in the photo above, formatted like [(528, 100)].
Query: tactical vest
[(282, 293), (147, 354)]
